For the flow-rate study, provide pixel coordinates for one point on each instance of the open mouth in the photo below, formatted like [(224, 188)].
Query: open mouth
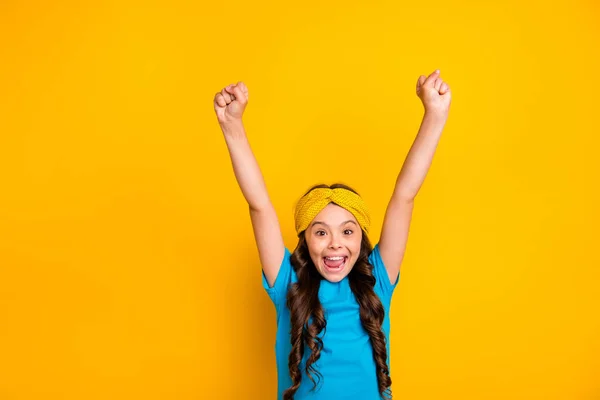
[(335, 264)]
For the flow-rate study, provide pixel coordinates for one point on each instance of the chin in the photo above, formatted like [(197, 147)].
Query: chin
[(334, 278)]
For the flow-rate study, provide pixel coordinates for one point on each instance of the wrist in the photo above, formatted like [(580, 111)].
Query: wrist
[(436, 115), (233, 128)]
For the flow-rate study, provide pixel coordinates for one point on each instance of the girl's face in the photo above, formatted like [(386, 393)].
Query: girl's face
[(334, 239)]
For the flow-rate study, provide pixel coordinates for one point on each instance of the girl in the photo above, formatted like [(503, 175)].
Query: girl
[(333, 293)]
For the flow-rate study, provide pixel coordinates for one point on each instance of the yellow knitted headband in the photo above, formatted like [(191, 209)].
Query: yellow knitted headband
[(313, 202)]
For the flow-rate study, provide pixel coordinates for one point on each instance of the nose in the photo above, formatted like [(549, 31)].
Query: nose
[(335, 242)]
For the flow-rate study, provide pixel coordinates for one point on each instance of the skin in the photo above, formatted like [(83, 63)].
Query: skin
[(333, 232), (229, 105)]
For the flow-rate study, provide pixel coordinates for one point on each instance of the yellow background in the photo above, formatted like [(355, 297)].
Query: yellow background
[(127, 263)]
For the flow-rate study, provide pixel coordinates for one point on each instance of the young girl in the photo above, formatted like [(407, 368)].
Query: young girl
[(333, 293)]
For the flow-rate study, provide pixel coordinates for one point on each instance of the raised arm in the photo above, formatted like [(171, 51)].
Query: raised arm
[(435, 95), (230, 104)]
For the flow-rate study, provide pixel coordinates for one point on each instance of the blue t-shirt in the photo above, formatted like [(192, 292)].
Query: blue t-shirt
[(346, 363)]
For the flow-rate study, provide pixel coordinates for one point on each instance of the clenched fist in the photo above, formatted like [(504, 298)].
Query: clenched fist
[(230, 103), (434, 93)]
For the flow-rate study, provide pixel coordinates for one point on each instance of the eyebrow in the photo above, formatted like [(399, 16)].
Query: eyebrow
[(323, 223)]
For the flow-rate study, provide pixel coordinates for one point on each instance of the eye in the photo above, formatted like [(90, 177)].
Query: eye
[(348, 231), (318, 233)]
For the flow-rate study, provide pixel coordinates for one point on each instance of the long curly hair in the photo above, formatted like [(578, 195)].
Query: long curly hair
[(304, 305)]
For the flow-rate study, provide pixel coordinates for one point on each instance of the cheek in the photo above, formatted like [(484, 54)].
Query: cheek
[(356, 245), (314, 248)]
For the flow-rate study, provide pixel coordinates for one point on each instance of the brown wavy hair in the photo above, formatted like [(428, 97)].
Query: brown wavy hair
[(304, 305)]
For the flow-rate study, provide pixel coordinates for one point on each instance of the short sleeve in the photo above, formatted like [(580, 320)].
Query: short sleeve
[(278, 292), (382, 278)]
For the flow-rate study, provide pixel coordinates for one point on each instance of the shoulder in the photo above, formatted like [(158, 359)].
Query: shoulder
[(383, 284), (285, 277)]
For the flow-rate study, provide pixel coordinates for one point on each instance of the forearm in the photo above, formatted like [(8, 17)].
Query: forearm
[(420, 156), (245, 167)]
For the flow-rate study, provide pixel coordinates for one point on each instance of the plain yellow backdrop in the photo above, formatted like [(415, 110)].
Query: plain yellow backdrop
[(127, 263)]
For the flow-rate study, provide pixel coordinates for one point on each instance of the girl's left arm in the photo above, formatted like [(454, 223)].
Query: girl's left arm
[(435, 95)]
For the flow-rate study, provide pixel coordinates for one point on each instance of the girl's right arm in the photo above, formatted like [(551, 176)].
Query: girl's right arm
[(230, 104)]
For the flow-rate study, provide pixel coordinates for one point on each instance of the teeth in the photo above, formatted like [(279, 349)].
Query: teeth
[(334, 258)]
